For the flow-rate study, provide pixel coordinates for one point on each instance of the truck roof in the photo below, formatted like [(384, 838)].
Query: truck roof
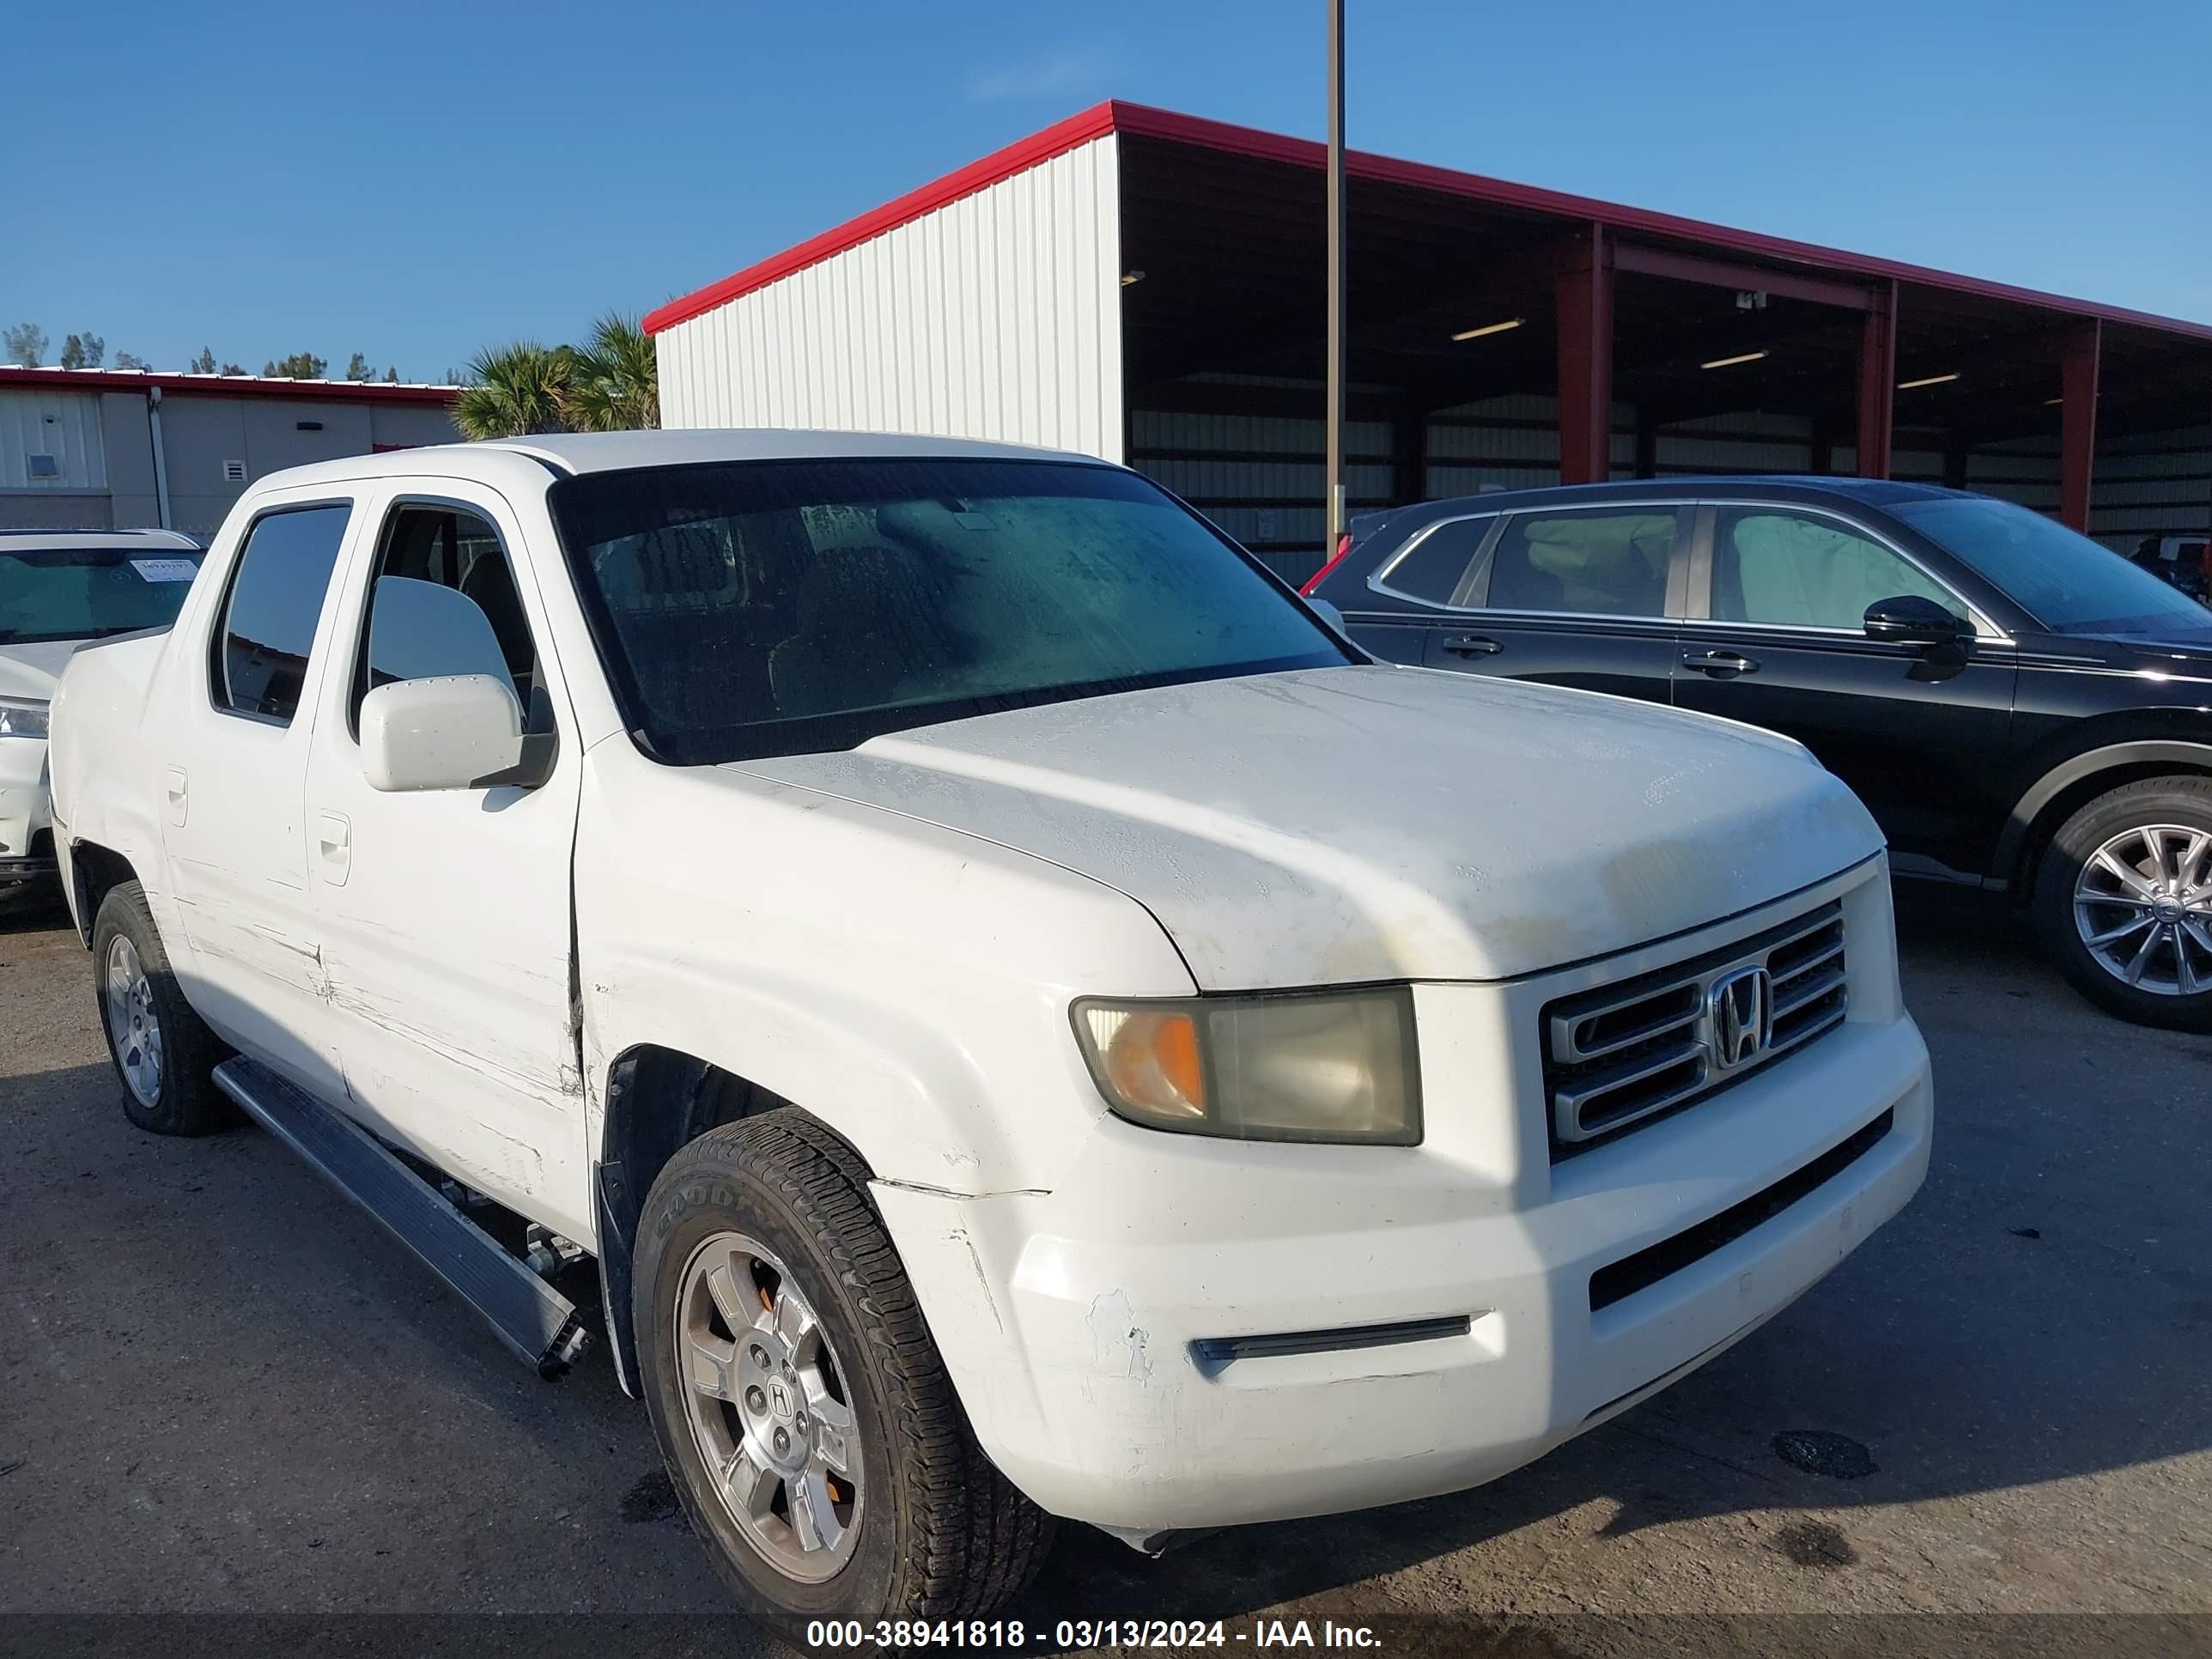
[(574, 453)]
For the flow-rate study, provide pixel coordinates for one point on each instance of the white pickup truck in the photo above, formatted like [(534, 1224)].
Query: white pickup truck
[(1028, 1020)]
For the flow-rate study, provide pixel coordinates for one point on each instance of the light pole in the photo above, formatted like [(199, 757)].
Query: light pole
[(1335, 516)]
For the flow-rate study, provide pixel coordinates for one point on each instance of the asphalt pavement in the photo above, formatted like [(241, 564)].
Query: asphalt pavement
[(224, 1392)]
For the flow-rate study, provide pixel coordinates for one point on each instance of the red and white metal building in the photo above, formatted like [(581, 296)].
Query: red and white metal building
[(1148, 286)]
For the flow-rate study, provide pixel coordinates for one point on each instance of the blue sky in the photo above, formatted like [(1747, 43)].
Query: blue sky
[(414, 182)]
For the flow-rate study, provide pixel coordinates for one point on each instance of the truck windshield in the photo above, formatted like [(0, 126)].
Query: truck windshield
[(787, 607), (2067, 582), (88, 593)]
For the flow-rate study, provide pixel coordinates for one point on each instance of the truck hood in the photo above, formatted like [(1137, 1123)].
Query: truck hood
[(1338, 825), (32, 670)]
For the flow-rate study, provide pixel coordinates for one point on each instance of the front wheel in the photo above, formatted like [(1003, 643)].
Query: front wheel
[(800, 1404), (2124, 900)]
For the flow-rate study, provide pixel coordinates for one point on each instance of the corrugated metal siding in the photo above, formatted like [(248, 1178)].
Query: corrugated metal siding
[(997, 316), (63, 424), (2150, 484)]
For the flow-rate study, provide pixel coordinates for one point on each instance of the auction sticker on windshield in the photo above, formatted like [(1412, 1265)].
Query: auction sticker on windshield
[(165, 570)]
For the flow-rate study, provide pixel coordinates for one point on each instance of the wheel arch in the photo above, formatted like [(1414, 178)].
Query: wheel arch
[(2071, 784), (95, 872), (658, 1100)]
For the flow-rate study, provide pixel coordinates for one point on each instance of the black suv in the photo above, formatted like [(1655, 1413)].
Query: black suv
[(2020, 709)]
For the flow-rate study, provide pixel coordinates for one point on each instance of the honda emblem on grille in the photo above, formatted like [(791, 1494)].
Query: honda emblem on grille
[(1739, 1017)]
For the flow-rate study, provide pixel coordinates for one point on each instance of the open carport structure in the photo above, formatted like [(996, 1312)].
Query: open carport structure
[(1148, 286)]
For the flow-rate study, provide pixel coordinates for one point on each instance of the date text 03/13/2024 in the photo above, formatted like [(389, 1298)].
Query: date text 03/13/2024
[(1079, 1634)]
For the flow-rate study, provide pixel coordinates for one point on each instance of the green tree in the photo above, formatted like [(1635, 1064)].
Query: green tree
[(515, 389), (25, 344), (83, 351), (616, 383), (299, 366), (358, 368), (126, 360), (231, 368), (203, 364), (392, 375)]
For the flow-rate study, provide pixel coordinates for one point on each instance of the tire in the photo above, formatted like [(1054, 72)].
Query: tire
[(2129, 870), (145, 1017), (927, 1528)]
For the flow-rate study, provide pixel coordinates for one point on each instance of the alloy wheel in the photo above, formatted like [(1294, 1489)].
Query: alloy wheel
[(2142, 906)]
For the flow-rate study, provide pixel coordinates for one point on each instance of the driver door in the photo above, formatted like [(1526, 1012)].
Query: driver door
[(1776, 638)]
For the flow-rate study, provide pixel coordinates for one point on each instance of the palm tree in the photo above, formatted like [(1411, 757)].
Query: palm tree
[(616, 387), (516, 390)]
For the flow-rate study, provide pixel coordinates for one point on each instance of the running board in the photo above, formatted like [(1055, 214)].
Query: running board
[(532, 1318)]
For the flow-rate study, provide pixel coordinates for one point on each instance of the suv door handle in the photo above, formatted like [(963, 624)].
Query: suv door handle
[(1471, 645), (1719, 662), (178, 788)]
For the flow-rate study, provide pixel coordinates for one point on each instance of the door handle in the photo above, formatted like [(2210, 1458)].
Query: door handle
[(178, 787), (1471, 645), (1719, 662), (334, 842)]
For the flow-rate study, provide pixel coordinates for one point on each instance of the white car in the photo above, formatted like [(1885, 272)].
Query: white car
[(1028, 1019), (60, 588)]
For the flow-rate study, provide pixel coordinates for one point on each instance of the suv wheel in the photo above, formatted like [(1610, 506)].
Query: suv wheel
[(2124, 901), (163, 1053), (800, 1404)]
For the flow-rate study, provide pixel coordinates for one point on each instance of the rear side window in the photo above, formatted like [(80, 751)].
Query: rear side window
[(1594, 564), (270, 614), (1430, 570)]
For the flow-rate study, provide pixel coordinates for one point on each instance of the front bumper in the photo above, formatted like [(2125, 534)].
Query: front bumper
[(26, 812), (1084, 1327)]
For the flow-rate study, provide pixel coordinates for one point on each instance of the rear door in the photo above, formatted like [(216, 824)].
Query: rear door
[(1777, 638), (231, 770), (1581, 596), (1414, 588)]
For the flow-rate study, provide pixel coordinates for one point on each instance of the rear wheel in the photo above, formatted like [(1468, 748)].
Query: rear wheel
[(163, 1053), (800, 1404), (2124, 900)]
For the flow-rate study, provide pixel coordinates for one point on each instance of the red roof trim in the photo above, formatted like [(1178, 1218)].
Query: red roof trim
[(229, 386), (1018, 157), (1142, 121)]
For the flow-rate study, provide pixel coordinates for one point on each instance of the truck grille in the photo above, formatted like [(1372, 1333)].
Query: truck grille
[(1624, 1053)]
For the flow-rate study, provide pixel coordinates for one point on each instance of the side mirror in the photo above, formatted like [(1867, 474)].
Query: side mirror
[(456, 732), (1914, 619), (1329, 613)]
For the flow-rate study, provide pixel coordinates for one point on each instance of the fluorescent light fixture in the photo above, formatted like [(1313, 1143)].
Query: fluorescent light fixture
[(1131, 278), (1730, 362), (2050, 403), (1489, 328), (1933, 380)]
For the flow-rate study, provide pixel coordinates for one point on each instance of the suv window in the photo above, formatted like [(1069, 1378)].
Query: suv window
[(1805, 570), (450, 546), (1594, 563), (270, 614), (1432, 569)]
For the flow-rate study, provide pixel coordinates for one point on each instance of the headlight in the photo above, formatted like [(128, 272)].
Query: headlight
[(1337, 1065), (19, 719)]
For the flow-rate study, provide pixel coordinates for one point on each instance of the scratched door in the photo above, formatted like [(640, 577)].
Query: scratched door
[(445, 914)]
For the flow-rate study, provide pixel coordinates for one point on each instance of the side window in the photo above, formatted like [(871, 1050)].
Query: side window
[(1431, 569), (1802, 570), (413, 631), (268, 618), (1595, 564)]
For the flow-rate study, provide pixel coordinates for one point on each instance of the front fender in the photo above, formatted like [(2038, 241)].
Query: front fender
[(906, 984)]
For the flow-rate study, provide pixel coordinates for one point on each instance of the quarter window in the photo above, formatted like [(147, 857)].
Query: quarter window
[(275, 602), (1603, 565), (1802, 570), (1432, 569)]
